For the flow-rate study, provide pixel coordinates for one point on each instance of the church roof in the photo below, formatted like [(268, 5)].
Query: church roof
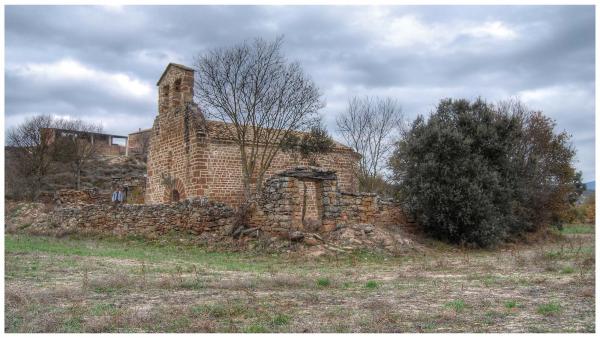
[(217, 130)]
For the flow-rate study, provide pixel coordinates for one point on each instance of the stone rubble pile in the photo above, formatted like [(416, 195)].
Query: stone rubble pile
[(19, 216)]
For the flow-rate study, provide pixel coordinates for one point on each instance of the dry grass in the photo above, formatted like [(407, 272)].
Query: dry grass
[(56, 285)]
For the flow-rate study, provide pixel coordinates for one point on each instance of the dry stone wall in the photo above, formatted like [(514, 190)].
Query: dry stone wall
[(190, 217), (369, 208), (69, 196), (294, 202)]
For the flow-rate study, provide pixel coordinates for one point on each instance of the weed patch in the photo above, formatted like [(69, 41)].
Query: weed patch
[(372, 284), (281, 319), (549, 309), (255, 328), (103, 309), (511, 304), (567, 270), (182, 289), (456, 305), (323, 282), (577, 229)]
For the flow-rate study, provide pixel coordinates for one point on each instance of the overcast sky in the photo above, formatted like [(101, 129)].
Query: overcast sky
[(102, 63)]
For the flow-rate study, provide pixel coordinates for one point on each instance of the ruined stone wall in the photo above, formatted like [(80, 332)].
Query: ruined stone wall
[(369, 208), (280, 208), (70, 196), (135, 142), (110, 149), (151, 221)]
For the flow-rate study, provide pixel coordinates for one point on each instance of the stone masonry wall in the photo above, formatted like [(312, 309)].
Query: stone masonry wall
[(214, 169), (369, 208), (135, 142), (193, 217), (224, 170)]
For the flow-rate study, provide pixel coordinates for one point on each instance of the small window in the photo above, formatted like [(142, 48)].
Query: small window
[(177, 86)]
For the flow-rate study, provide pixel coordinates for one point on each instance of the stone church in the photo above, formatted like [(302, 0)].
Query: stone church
[(190, 156)]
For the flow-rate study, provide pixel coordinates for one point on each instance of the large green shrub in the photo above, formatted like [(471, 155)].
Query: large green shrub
[(475, 173)]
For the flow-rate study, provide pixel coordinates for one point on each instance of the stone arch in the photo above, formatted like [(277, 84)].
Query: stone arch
[(175, 195), (175, 192)]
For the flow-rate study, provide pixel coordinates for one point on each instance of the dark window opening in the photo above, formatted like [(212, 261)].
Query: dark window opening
[(175, 195)]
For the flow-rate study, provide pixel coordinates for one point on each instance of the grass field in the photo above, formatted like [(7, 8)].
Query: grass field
[(108, 285)]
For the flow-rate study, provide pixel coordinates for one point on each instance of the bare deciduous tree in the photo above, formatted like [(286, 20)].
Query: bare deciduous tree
[(75, 145), (263, 98), (29, 156), (369, 126)]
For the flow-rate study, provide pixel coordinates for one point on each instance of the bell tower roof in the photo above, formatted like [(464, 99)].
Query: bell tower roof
[(171, 64)]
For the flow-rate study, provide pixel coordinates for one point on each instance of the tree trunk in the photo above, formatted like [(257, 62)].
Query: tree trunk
[(78, 177)]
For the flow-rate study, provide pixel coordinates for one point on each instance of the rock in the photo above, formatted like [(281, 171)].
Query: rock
[(367, 228), (252, 232), (339, 226), (237, 232), (247, 231), (355, 241), (332, 248), (228, 228), (316, 253), (296, 236), (311, 241)]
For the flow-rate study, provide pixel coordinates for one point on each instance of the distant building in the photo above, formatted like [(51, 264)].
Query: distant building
[(107, 144), (138, 143)]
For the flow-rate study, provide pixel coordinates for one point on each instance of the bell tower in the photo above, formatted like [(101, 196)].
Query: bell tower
[(175, 88)]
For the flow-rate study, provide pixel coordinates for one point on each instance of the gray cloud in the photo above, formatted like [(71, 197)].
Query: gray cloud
[(418, 54)]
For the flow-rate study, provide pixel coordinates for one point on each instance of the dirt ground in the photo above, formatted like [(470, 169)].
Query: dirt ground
[(109, 285)]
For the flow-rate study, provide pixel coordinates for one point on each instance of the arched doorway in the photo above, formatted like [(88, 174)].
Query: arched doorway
[(175, 195), (174, 192)]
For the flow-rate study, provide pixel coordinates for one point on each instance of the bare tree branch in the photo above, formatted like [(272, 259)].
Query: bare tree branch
[(75, 144), (369, 126), (29, 155)]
